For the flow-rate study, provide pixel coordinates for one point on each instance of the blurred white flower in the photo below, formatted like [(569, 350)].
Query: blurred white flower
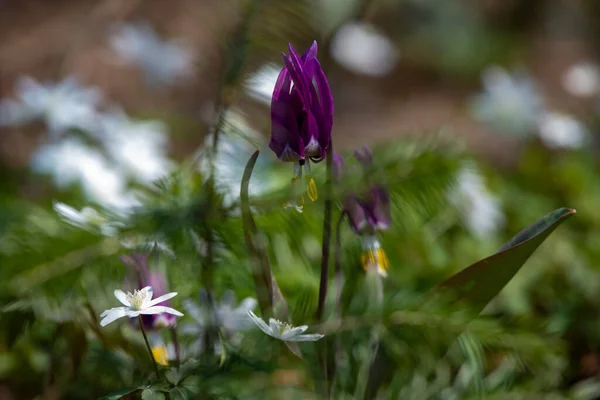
[(237, 142), (138, 146), (70, 161), (88, 219), (284, 331), (224, 315), (480, 209), (138, 303), (559, 130), (582, 79), (509, 103), (63, 106), (363, 49), (261, 84), (163, 62)]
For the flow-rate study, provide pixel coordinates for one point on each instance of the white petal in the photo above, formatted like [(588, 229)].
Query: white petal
[(159, 310), (122, 297), (110, 310), (248, 304), (68, 212), (131, 313), (293, 332), (194, 310), (306, 338), (149, 294), (161, 299), (190, 329), (260, 323), (111, 315)]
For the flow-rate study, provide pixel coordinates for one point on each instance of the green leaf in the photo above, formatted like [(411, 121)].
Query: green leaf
[(119, 394), (261, 268), (479, 283), (179, 393), (270, 298), (192, 383), (149, 394)]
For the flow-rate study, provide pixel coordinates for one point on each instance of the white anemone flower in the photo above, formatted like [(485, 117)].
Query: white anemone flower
[(139, 147), (162, 61), (481, 210), (88, 219), (284, 331), (63, 105), (138, 303), (509, 102), (558, 130)]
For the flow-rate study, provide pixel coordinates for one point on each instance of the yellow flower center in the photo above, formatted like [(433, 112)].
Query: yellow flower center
[(137, 298), (375, 258)]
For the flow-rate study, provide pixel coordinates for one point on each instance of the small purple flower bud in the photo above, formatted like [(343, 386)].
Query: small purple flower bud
[(364, 156)]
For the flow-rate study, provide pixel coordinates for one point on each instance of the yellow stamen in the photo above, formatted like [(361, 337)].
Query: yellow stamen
[(160, 355), (375, 258), (311, 188)]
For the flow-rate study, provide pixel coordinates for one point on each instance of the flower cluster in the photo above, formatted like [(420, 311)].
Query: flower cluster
[(162, 61), (513, 104), (368, 212)]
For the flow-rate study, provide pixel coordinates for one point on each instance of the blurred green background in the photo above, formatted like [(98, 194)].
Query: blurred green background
[(483, 115)]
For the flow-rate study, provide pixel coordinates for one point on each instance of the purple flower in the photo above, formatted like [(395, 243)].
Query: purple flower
[(301, 113), (371, 212), (368, 214), (364, 156), (156, 279)]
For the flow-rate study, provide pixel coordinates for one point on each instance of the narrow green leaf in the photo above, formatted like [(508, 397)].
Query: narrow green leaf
[(261, 268), (270, 298), (479, 283)]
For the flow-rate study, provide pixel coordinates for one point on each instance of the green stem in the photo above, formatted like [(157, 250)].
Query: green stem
[(148, 346), (326, 244), (176, 345)]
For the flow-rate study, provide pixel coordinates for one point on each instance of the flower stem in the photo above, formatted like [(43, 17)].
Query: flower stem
[(326, 244), (148, 346), (176, 344)]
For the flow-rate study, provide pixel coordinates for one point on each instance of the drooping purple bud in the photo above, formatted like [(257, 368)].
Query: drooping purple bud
[(364, 156), (301, 109), (370, 212)]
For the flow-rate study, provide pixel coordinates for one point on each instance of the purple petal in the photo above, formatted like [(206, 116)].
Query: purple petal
[(379, 208), (296, 71), (311, 53), (356, 214), (364, 156)]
